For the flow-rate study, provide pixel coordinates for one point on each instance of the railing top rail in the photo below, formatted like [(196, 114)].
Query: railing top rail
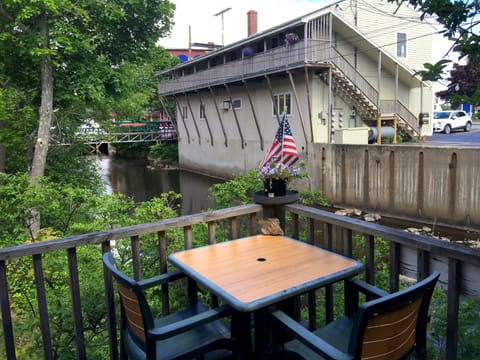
[(125, 232), (422, 242)]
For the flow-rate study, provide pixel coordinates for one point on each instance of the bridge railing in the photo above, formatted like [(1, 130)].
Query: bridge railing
[(125, 136)]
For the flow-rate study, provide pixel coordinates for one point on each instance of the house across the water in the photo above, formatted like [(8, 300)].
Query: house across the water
[(343, 75)]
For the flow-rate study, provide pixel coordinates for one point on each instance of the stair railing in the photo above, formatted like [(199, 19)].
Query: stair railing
[(401, 112), (354, 77)]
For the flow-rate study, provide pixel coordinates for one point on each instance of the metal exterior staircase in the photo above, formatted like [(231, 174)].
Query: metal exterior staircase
[(353, 88)]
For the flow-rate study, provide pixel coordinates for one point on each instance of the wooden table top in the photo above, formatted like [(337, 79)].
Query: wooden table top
[(253, 272)]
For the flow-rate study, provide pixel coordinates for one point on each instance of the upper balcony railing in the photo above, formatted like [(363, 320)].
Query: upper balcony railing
[(282, 58), (270, 61), (320, 228)]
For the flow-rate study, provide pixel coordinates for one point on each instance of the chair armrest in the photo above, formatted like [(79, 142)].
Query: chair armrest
[(181, 326), (369, 290), (309, 339), (161, 279)]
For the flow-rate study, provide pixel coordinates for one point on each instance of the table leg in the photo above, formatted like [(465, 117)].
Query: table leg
[(241, 332), (262, 334)]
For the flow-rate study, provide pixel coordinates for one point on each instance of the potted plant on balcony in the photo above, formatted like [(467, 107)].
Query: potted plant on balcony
[(291, 38), (276, 176), (248, 51)]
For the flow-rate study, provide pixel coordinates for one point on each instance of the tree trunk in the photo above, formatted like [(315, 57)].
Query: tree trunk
[(3, 154), (45, 121)]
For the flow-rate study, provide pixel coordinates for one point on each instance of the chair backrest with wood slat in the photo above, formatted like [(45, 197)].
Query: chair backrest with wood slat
[(133, 312), (395, 325), (136, 314)]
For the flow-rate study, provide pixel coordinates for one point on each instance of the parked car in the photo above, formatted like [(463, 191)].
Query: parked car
[(449, 120)]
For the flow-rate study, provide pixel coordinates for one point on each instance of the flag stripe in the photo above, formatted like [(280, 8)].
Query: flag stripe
[(283, 147)]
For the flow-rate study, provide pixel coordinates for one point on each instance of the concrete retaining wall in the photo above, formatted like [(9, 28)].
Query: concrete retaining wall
[(430, 184)]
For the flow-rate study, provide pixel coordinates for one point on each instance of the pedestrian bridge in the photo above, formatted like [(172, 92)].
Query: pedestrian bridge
[(96, 137)]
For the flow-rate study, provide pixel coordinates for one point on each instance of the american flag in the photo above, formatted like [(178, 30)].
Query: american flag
[(283, 148)]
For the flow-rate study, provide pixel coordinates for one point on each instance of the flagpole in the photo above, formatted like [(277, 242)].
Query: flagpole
[(283, 132)]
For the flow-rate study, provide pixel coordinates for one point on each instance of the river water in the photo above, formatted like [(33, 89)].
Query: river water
[(133, 178)]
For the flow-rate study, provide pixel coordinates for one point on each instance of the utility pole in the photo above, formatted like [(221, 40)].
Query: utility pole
[(221, 14), (189, 42)]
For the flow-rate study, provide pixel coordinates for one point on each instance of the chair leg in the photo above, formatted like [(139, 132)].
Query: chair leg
[(420, 353), (123, 352)]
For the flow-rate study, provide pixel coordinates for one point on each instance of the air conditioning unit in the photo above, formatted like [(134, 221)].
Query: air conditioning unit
[(226, 105)]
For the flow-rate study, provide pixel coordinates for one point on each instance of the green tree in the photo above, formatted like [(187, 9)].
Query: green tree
[(89, 50), (68, 210), (77, 59), (464, 85), (17, 124)]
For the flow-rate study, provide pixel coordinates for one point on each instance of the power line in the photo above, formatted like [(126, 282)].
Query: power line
[(410, 22)]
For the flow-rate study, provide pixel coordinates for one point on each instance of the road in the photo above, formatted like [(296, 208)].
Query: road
[(458, 138)]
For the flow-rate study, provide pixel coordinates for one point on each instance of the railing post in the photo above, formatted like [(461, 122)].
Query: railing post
[(110, 307), (276, 211), (395, 252), (370, 259), (233, 227), (137, 271), (423, 264), (454, 281), (162, 249), (76, 303), (311, 232), (42, 306), (211, 233), (347, 242), (6, 316), (295, 226), (328, 241), (187, 237), (253, 223), (327, 236)]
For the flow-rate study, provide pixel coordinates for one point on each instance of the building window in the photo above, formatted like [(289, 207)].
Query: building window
[(202, 111), (401, 45), (282, 103), (184, 112), (237, 103)]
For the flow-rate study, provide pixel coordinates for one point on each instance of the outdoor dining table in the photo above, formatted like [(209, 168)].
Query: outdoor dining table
[(252, 273)]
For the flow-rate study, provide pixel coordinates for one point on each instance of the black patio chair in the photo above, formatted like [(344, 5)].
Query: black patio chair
[(392, 326), (193, 331)]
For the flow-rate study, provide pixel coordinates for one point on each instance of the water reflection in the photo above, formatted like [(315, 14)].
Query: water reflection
[(132, 178)]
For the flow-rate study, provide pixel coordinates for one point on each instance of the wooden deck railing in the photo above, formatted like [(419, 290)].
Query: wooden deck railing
[(315, 226)]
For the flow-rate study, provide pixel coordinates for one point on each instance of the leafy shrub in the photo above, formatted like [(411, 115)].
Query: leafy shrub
[(165, 151), (468, 346)]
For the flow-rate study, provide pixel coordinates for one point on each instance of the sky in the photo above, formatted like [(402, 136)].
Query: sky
[(205, 27)]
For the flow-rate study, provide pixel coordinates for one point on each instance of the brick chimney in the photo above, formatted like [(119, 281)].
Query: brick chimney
[(252, 22)]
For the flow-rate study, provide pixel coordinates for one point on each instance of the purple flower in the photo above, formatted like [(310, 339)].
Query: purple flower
[(291, 38), (248, 51), (277, 170)]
